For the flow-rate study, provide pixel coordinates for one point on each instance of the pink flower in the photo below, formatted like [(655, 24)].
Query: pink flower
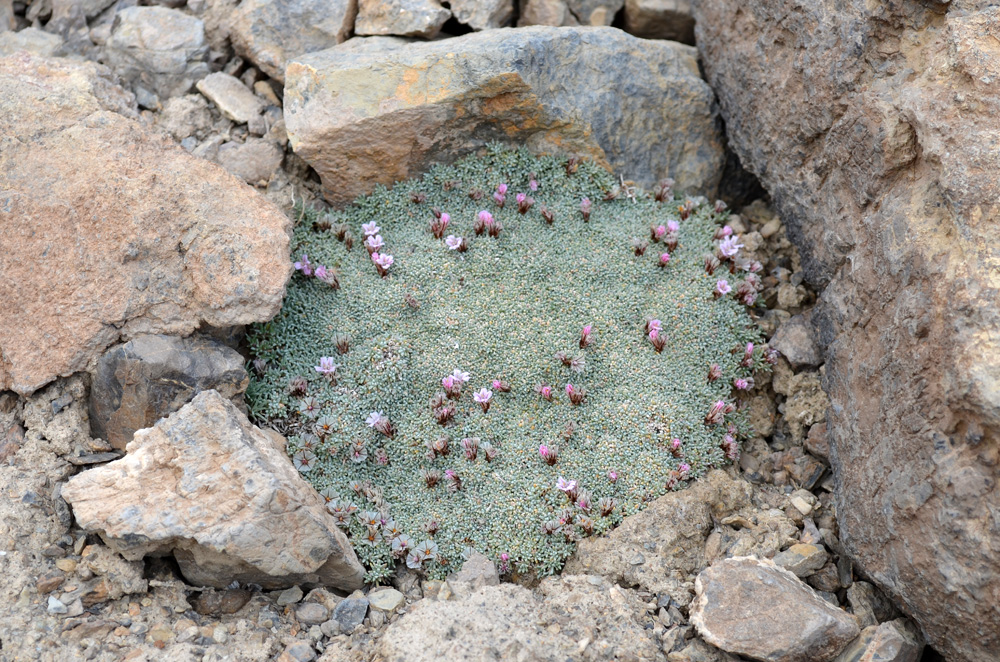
[(382, 262), (445, 219), (659, 232), (585, 334), (716, 414), (564, 485), (613, 476), (321, 273), (454, 243), (654, 325), (304, 266), (374, 243), (501, 386), (483, 397), (684, 468), (729, 246), (533, 185), (459, 375), (576, 395), (741, 384), (545, 391), (585, 206), (370, 229), (500, 195), (326, 366), (673, 227), (374, 418), (726, 231), (722, 288), (448, 383), (520, 197), (664, 259)]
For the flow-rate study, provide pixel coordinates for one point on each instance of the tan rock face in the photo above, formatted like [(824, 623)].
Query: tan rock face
[(216, 491), (754, 608), (370, 111), (107, 231), (874, 128)]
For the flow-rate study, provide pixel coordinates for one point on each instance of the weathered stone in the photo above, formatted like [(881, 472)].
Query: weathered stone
[(816, 442), (386, 599), (483, 14), (231, 97), (802, 560), (567, 618), (7, 20), (595, 12), (351, 612), (857, 648), (270, 32), (794, 339), (698, 651), (477, 572), (235, 507), (403, 18), (160, 242), (754, 608), (215, 603), (254, 161), (894, 641), (660, 19), (637, 107), (149, 377), (869, 604), (300, 651), (546, 12), (805, 402), (311, 613), (874, 128), (164, 50), (671, 534), (35, 41), (185, 116), (289, 596)]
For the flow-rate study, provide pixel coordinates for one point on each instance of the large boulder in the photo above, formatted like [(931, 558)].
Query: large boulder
[(371, 111), (220, 494), (874, 126), (270, 32), (107, 230), (139, 382)]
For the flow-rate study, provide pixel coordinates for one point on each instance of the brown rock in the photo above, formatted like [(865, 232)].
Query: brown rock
[(483, 14), (237, 508), (894, 641), (816, 442), (546, 12), (754, 608), (635, 106), (663, 547), (229, 601), (49, 582), (476, 572), (403, 18), (660, 19), (794, 339), (802, 560), (149, 377), (231, 97), (874, 131), (270, 32), (159, 241), (255, 161)]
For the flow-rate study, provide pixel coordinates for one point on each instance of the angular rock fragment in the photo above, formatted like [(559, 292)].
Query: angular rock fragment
[(483, 14), (802, 560), (33, 40), (231, 97), (149, 377), (754, 608), (370, 111), (660, 19), (163, 50), (794, 339), (254, 161), (403, 18), (158, 241), (271, 32), (213, 489)]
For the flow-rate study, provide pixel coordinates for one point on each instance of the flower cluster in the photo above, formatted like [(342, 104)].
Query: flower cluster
[(319, 271)]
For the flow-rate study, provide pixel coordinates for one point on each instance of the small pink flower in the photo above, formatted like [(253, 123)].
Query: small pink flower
[(374, 418), (382, 263), (613, 476), (673, 227), (730, 246), (741, 384), (533, 185), (445, 219), (726, 231), (659, 232), (564, 485), (585, 206), (722, 288), (454, 243), (576, 395), (460, 376), (664, 259), (370, 229), (654, 325), (321, 272), (374, 243), (545, 391), (482, 396), (585, 334), (326, 366), (304, 266), (684, 468), (501, 386), (521, 197), (448, 383)]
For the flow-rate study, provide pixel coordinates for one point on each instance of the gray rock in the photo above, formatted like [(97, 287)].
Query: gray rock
[(33, 40), (139, 382), (403, 18), (7, 20), (483, 14), (476, 572), (351, 612), (270, 32), (857, 648), (236, 507), (256, 161), (546, 12), (330, 628), (802, 560), (300, 651), (754, 608), (229, 601), (660, 19), (289, 596), (311, 613), (795, 340), (163, 49), (386, 599), (55, 606), (231, 97), (635, 106), (869, 604), (894, 641), (595, 12)]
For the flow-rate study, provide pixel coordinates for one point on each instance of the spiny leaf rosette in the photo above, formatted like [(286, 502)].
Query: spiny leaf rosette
[(477, 369)]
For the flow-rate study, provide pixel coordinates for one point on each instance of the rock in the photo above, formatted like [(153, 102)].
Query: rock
[(568, 618), (671, 535), (270, 32), (185, 116), (151, 376), (894, 641), (179, 243), (55, 606), (698, 651), (794, 339), (637, 107), (806, 403), (595, 12), (7, 20), (856, 648), (660, 19), (311, 613), (231, 97), (215, 603), (387, 599), (404, 18), (802, 560), (483, 14), (476, 572), (300, 651), (754, 608), (869, 604), (816, 442), (35, 41), (164, 50), (546, 12), (255, 161), (49, 582), (289, 596), (239, 510), (351, 612), (885, 118)]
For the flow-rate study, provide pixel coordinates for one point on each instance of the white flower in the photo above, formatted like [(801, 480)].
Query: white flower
[(375, 242), (459, 375), (564, 485), (370, 229), (482, 395), (383, 260), (454, 243), (374, 418), (729, 246)]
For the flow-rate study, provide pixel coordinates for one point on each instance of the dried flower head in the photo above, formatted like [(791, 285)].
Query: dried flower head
[(550, 454), (297, 386)]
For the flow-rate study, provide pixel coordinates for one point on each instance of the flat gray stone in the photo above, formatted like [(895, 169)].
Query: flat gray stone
[(351, 612), (802, 560), (231, 97), (386, 599)]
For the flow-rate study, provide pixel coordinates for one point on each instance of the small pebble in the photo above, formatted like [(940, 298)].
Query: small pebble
[(289, 596), (56, 606)]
